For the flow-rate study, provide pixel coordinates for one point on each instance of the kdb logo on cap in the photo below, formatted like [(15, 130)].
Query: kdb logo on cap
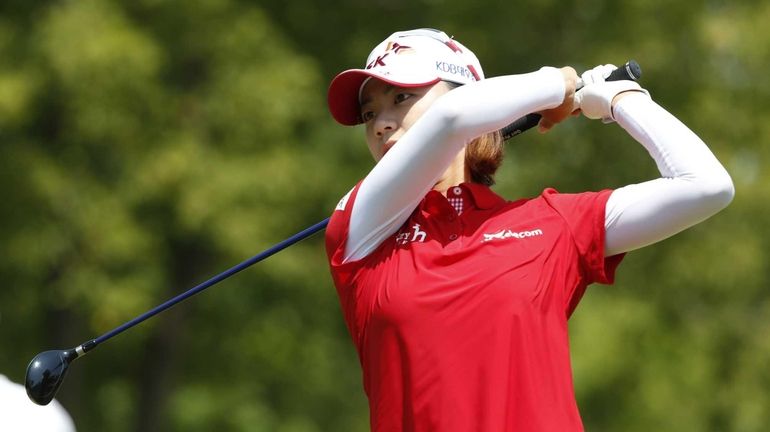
[(454, 69)]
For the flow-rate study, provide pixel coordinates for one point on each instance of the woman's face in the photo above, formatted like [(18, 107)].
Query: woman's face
[(389, 111)]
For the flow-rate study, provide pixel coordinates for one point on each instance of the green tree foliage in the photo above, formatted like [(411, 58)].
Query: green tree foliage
[(146, 145)]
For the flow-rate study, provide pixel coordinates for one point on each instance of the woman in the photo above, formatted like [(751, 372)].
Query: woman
[(457, 300)]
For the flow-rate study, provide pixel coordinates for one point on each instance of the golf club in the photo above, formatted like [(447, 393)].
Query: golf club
[(47, 370)]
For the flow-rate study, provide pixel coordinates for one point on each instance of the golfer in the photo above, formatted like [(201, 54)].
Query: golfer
[(457, 299)]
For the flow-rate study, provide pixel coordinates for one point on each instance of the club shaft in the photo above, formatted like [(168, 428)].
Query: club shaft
[(218, 278)]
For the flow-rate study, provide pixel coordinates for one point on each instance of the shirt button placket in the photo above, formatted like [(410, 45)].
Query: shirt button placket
[(456, 191)]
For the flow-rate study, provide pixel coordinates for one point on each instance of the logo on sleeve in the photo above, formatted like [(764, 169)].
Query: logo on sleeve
[(507, 234), (344, 201)]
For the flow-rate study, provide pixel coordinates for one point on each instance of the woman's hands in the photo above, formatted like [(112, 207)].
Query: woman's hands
[(596, 99), (556, 115)]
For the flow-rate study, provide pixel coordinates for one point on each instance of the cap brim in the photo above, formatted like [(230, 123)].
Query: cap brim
[(343, 93)]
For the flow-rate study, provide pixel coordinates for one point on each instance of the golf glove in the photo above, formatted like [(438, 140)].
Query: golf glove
[(597, 74), (595, 100)]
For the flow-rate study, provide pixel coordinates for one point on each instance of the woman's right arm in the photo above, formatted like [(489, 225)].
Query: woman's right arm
[(396, 185)]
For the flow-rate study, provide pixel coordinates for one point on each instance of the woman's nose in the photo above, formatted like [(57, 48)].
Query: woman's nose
[(384, 125)]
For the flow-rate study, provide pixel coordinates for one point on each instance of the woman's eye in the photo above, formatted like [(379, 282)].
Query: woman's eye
[(400, 97), (367, 115)]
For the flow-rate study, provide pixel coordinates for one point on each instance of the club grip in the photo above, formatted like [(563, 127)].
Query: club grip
[(629, 71)]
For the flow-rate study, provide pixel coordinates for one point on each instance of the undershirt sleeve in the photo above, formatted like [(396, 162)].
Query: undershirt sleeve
[(395, 186), (693, 186)]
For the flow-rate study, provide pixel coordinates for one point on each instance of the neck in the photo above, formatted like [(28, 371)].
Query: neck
[(454, 175)]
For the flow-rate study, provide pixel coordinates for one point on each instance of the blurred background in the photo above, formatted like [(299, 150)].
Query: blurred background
[(146, 145)]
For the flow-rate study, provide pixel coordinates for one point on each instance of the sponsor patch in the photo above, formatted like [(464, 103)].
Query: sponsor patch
[(506, 234), (343, 202)]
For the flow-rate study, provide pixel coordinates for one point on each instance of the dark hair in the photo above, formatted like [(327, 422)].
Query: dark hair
[(483, 156)]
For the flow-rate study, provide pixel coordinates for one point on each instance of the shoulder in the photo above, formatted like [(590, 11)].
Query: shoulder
[(574, 209), (574, 201)]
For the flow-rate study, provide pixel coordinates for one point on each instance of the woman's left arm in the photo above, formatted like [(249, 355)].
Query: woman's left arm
[(694, 184)]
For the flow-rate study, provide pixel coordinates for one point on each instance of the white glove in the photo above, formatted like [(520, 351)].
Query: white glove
[(597, 74), (595, 100)]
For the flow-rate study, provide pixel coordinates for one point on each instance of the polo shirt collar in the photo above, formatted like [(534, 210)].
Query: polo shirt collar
[(482, 195)]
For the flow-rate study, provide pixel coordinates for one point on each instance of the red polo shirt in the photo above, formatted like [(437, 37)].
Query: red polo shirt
[(460, 322)]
